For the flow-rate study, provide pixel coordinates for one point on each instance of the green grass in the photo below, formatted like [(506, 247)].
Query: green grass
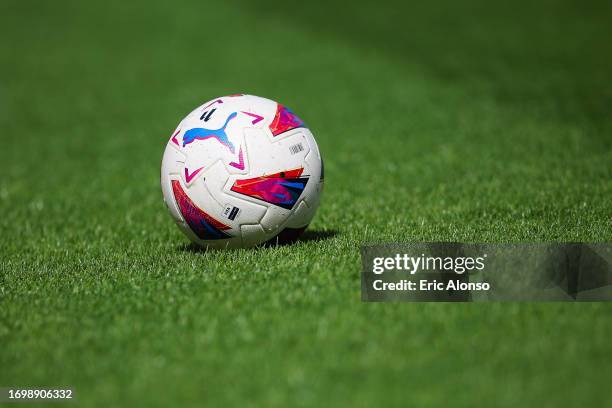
[(446, 121)]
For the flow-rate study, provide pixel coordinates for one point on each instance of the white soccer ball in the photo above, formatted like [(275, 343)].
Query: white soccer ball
[(241, 170)]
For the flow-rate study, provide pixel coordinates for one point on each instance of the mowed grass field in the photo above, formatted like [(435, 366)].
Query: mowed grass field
[(441, 121)]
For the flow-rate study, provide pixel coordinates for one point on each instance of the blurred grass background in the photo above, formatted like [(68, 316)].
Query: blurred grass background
[(471, 121)]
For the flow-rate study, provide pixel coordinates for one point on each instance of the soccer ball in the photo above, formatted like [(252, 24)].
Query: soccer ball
[(241, 170)]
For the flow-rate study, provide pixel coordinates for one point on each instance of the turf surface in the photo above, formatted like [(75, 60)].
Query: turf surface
[(441, 121)]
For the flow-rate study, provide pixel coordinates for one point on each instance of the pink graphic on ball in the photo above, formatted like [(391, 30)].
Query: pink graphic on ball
[(174, 138), (257, 117), (284, 120), (200, 222), (240, 164), (189, 177), (282, 189)]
